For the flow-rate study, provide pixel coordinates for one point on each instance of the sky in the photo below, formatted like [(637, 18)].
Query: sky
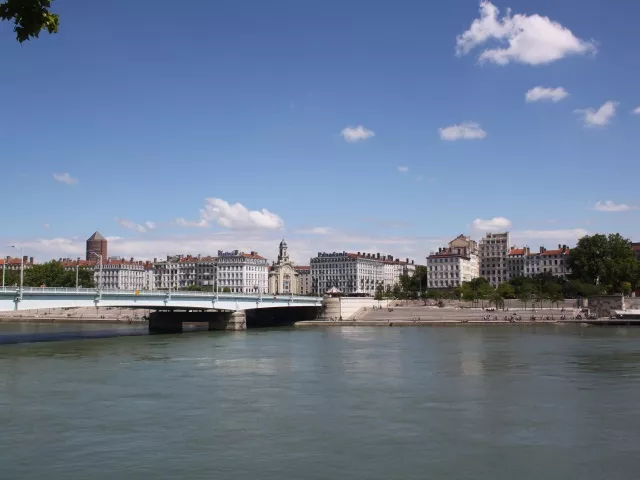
[(372, 126)]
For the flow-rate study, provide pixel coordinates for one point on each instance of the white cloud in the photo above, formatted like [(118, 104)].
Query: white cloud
[(65, 178), (530, 39), (150, 225), (317, 231), (301, 247), (463, 131), (356, 134), (181, 222), (537, 94), (131, 225), (492, 225), (636, 111), (239, 217), (550, 238), (403, 169), (610, 206), (600, 117)]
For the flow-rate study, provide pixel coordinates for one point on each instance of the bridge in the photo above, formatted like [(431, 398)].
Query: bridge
[(223, 311)]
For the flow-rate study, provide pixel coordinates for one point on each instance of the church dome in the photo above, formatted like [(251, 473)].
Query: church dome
[(283, 243)]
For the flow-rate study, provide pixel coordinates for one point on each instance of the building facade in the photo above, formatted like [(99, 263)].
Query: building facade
[(15, 263), (453, 265), (494, 250), (555, 262), (241, 272), (96, 246), (120, 274), (394, 268), (518, 260), (283, 276), (304, 280), (350, 273), (184, 271)]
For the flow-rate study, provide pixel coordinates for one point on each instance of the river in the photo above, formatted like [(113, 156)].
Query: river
[(494, 403)]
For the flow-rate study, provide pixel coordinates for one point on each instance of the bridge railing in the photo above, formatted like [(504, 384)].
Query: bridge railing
[(143, 293)]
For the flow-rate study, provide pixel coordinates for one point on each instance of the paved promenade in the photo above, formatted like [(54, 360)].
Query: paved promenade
[(424, 315)]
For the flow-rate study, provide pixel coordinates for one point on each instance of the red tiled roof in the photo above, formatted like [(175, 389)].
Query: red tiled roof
[(12, 261), (517, 251), (303, 268), (556, 252), (248, 255)]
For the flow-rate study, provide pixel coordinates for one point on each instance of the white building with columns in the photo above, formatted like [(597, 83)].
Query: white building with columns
[(283, 275)]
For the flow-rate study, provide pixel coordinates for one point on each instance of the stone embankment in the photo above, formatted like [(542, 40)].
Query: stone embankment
[(85, 315), (429, 315)]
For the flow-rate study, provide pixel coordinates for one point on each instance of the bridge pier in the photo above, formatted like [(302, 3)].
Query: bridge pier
[(228, 321)]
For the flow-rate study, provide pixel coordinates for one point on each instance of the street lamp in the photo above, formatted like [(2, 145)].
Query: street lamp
[(21, 267), (100, 258)]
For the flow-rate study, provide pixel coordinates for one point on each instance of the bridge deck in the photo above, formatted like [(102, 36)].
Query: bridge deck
[(11, 298)]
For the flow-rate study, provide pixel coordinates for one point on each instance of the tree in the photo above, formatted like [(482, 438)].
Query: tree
[(604, 260), (11, 278), (506, 290), (29, 17), (53, 274), (497, 299), (525, 294)]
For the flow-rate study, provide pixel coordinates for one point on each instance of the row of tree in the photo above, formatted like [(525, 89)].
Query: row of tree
[(50, 274), (600, 264)]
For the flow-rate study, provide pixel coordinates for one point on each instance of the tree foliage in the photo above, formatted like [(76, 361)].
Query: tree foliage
[(605, 260), (29, 17), (50, 274)]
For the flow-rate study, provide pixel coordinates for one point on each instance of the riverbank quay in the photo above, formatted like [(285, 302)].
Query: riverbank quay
[(434, 316), (116, 316)]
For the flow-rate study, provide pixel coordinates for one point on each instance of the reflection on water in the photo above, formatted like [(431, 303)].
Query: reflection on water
[(13, 333), (407, 403)]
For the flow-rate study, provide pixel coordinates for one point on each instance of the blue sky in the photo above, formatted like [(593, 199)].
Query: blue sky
[(173, 116)]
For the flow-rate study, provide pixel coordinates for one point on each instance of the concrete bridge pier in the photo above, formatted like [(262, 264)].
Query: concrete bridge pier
[(228, 321)]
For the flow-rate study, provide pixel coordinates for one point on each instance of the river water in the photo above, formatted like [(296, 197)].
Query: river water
[(337, 403)]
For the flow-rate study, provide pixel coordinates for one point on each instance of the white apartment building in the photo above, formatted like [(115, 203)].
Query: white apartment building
[(350, 273), (517, 260), (394, 268), (120, 274), (555, 262), (522, 263), (450, 267), (178, 271), (494, 250), (233, 271), (242, 272)]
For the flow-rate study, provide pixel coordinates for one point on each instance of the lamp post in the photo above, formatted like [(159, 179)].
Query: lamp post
[(21, 268), (4, 266), (100, 258)]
